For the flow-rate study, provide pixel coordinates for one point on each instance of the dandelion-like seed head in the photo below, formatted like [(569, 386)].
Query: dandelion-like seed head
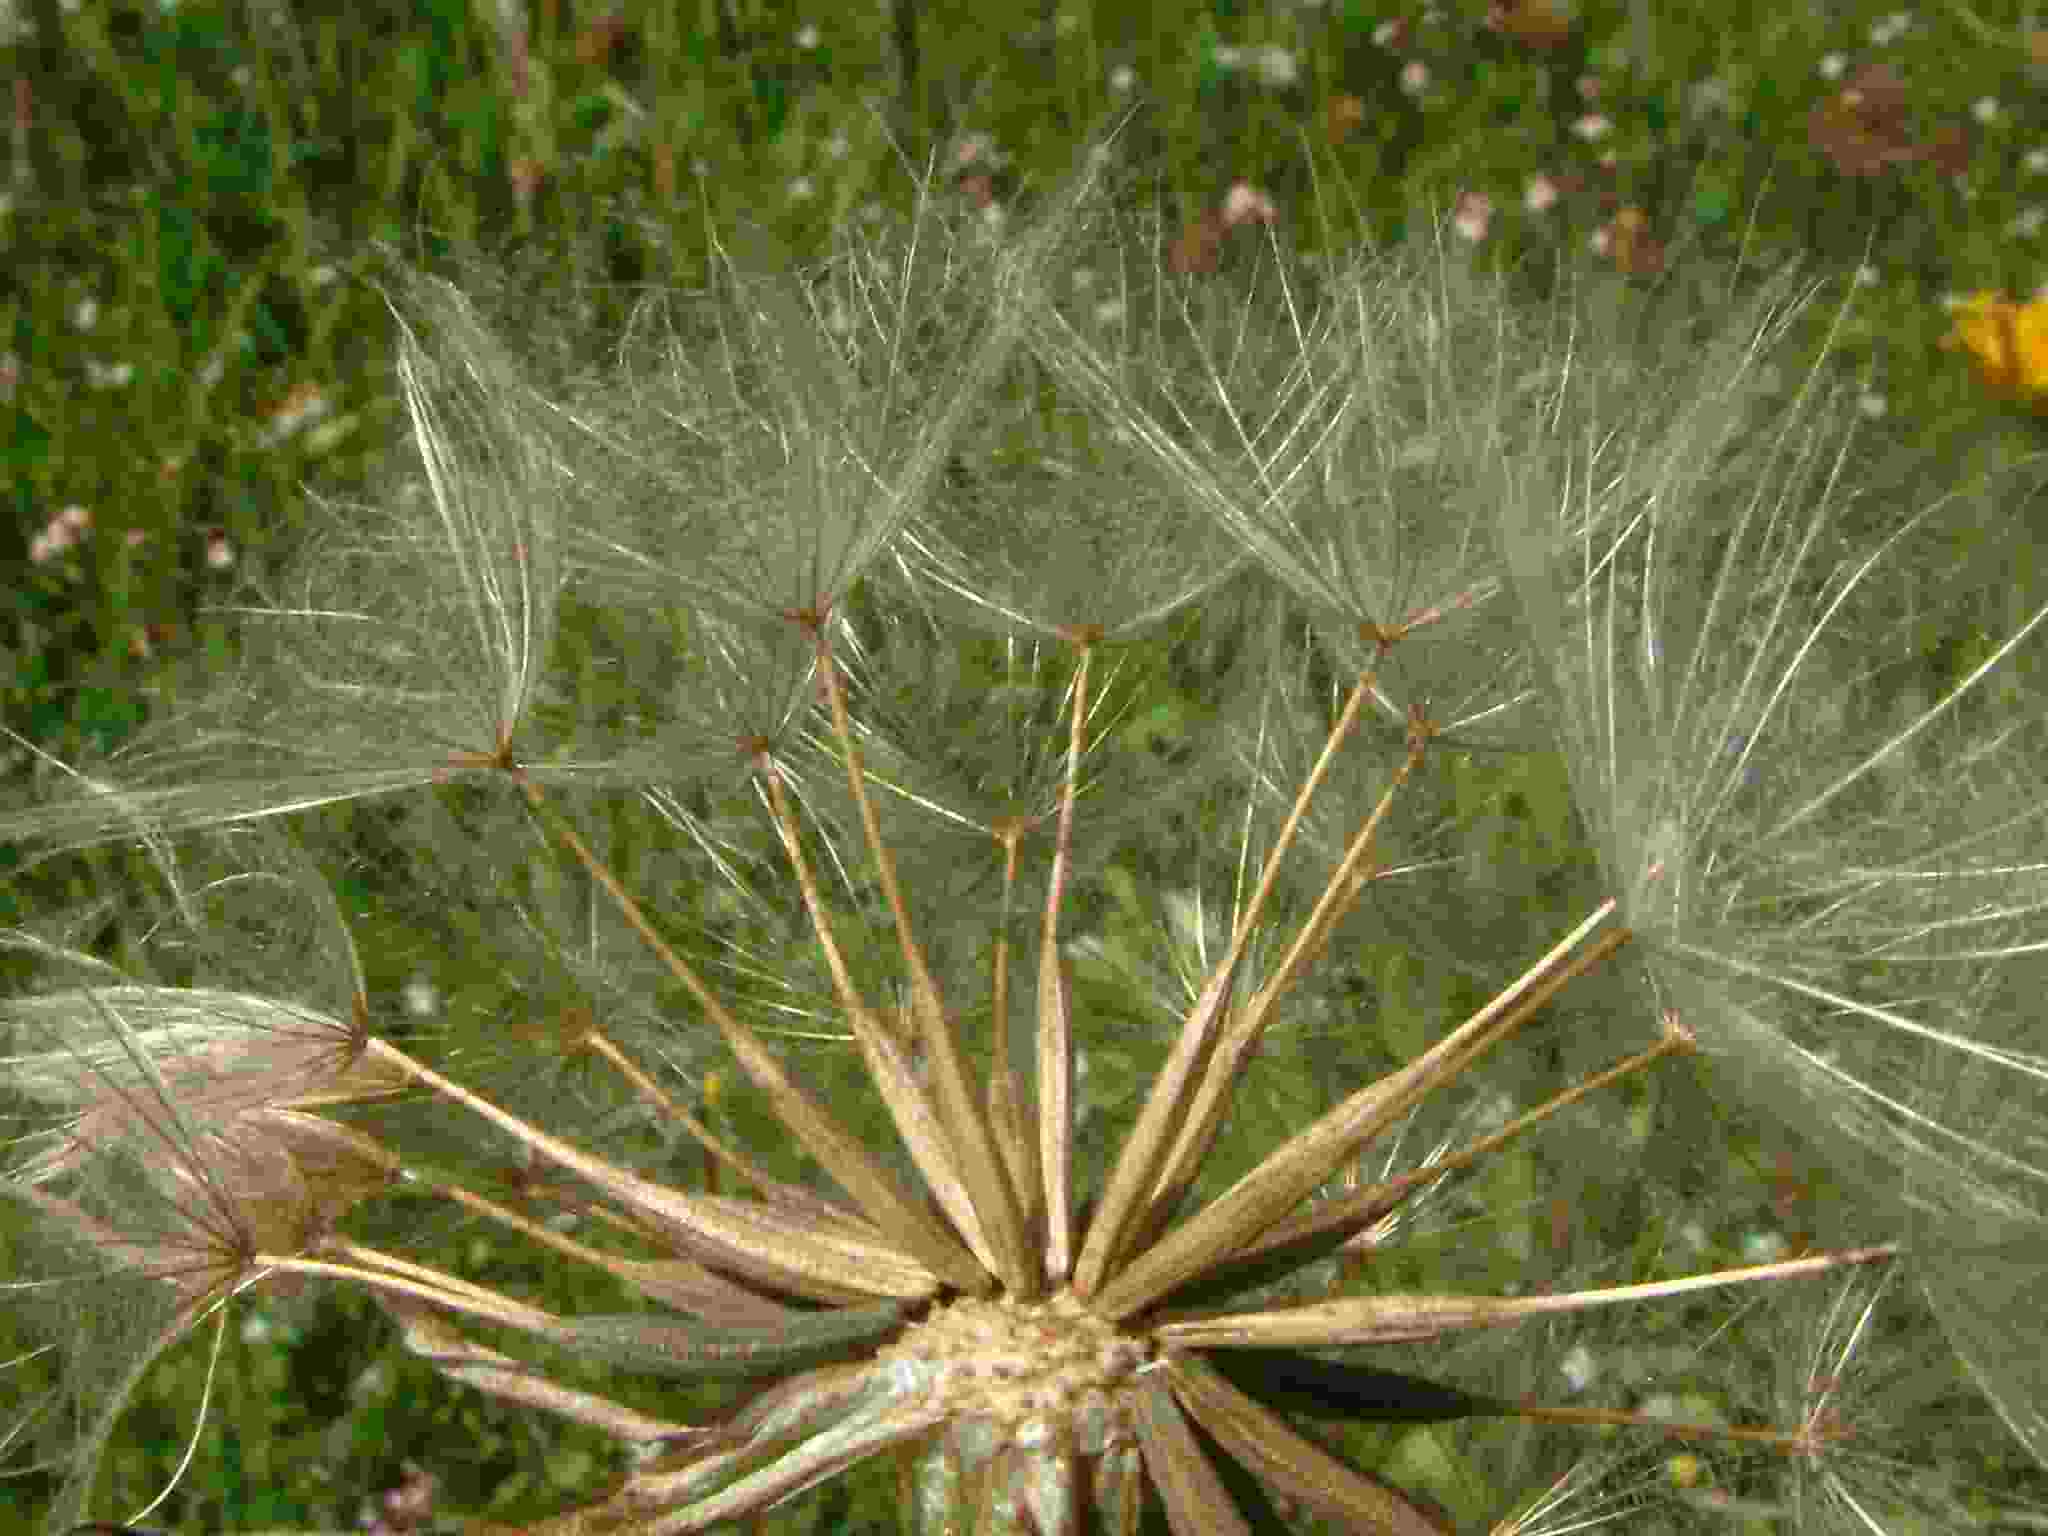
[(790, 791), (1829, 852)]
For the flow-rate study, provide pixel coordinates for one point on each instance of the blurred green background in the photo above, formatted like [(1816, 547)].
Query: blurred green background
[(194, 195)]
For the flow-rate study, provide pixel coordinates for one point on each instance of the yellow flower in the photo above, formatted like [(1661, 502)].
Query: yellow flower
[(2007, 345)]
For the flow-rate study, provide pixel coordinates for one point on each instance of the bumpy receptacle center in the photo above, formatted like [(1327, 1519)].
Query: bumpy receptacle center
[(1027, 1370)]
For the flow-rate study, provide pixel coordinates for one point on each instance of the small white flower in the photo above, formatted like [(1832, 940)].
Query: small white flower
[(1580, 1369), (1472, 216), (1122, 79), (2028, 222), (1593, 127), (1872, 404), (1539, 194), (1887, 30), (1245, 203), (1415, 77), (2036, 161), (1227, 58), (421, 1000), (839, 146), (802, 189), (1275, 67), (807, 37), (85, 314), (1867, 276), (108, 375), (1833, 65), (1985, 109)]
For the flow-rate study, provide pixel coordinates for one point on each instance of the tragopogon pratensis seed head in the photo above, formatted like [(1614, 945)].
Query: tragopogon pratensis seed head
[(1003, 881)]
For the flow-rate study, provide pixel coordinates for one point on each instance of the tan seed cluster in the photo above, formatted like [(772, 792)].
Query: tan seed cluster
[(1028, 1370)]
